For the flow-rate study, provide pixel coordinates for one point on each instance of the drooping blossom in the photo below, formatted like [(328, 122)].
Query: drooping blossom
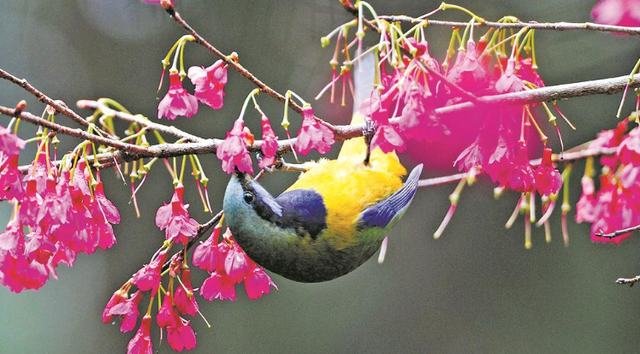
[(128, 310), (181, 336), (617, 12), (467, 71), (585, 208), (236, 264), (209, 83), (141, 342), (218, 287), (167, 315), (418, 120), (258, 283), (117, 298), (148, 277), (313, 134), (183, 296), (10, 145), (233, 150), (175, 220), (269, 146), (177, 101), (509, 81), (386, 136), (547, 179), (521, 177), (11, 185), (207, 254)]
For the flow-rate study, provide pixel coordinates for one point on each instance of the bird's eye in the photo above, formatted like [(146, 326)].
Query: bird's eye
[(248, 197)]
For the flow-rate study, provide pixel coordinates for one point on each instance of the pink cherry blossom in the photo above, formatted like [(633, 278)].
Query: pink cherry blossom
[(209, 83), (141, 342), (233, 151), (269, 146), (148, 277), (128, 310), (313, 134), (520, 177), (217, 286), (236, 264), (258, 283), (181, 336), (167, 316), (11, 185), (547, 179), (206, 255), (183, 296), (10, 145), (175, 220), (177, 101), (116, 298), (585, 208)]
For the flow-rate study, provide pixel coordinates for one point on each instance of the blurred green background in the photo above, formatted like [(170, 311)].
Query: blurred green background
[(475, 290)]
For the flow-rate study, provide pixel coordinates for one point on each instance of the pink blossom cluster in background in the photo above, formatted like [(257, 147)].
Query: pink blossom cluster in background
[(615, 204)]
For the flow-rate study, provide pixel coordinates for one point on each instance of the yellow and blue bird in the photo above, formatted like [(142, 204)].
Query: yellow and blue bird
[(331, 220)]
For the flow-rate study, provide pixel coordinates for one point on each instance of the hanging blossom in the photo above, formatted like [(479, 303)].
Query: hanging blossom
[(174, 218), (177, 101), (614, 205), (269, 146), (66, 216), (209, 83), (233, 151), (313, 134), (228, 265)]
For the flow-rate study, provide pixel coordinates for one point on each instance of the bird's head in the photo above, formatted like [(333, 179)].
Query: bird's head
[(247, 202)]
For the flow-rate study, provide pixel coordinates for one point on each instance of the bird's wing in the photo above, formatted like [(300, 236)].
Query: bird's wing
[(388, 210), (304, 211)]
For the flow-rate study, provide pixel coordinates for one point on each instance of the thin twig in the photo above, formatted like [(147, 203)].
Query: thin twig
[(618, 232), (229, 61), (556, 26), (161, 128), (47, 100), (345, 132), (78, 133), (629, 281), (567, 156)]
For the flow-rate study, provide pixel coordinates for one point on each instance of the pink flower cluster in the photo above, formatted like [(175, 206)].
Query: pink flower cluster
[(225, 261), (56, 216), (494, 139), (614, 206), (209, 89), (228, 265), (233, 151)]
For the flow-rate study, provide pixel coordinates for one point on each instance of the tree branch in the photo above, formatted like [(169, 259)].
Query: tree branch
[(556, 26), (139, 119), (618, 232), (47, 100), (169, 7), (629, 281), (345, 132), (565, 157)]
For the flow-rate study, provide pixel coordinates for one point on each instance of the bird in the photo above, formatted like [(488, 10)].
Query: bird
[(332, 219)]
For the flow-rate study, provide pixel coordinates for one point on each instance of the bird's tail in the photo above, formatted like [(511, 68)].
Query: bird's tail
[(355, 150)]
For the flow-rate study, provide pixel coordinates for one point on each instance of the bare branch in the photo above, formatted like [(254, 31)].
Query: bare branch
[(46, 99), (555, 26), (144, 121), (618, 232), (629, 281), (229, 61)]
